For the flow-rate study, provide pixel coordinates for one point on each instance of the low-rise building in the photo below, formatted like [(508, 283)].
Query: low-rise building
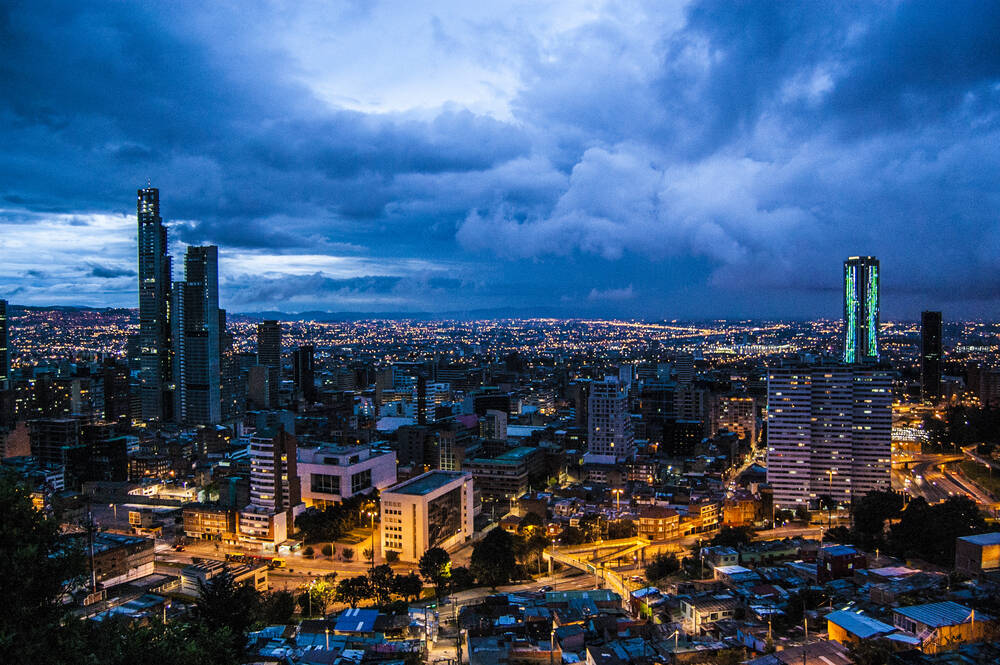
[(701, 611), (196, 575), (208, 521), (432, 510), (118, 558), (838, 561), (658, 523), (944, 625), (329, 474), (508, 475), (977, 554)]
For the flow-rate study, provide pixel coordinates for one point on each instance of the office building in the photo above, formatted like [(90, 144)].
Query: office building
[(269, 344), (263, 387), (828, 432), (155, 360), (329, 474), (861, 309), (432, 510), (274, 489), (930, 354), (509, 475), (5, 350), (304, 372), (609, 425), (195, 321)]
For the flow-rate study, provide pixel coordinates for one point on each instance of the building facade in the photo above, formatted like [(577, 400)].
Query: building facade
[(861, 309), (329, 474), (435, 509), (609, 425), (930, 354), (195, 329), (269, 344), (155, 357), (829, 432)]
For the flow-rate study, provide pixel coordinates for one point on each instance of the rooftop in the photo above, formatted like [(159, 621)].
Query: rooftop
[(858, 624), (983, 539), (946, 613), (426, 483)]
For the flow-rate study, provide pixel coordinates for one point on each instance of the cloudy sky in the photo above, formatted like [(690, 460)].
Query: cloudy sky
[(703, 159)]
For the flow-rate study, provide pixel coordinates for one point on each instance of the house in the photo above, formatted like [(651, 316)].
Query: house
[(978, 554), (835, 562), (845, 627), (944, 625)]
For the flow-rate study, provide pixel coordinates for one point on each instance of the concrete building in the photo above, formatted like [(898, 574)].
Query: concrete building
[(197, 339), (658, 523), (435, 509), (195, 575), (508, 475), (329, 474), (155, 347), (861, 309), (829, 432), (275, 497), (610, 434), (269, 344), (204, 521), (978, 554)]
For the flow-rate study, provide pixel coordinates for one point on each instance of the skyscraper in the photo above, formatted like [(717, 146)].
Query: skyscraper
[(930, 354), (829, 431), (303, 371), (155, 361), (269, 344), (4, 346), (196, 335), (861, 309), (609, 425)]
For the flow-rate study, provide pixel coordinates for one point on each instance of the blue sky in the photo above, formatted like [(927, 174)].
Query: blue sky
[(703, 159)]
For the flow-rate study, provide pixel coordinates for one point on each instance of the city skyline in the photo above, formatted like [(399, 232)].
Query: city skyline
[(721, 164)]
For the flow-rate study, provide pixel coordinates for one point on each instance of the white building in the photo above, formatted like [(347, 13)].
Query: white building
[(610, 435), (435, 509), (274, 490), (829, 431), (329, 474)]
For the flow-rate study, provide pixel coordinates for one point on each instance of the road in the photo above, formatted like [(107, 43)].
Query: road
[(929, 476)]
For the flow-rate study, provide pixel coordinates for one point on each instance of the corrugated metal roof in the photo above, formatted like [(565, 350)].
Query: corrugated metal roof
[(983, 539), (945, 613), (859, 624)]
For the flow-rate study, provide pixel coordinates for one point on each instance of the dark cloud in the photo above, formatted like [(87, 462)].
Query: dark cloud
[(108, 272), (716, 158)]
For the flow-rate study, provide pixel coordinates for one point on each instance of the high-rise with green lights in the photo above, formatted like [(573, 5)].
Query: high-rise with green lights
[(861, 305)]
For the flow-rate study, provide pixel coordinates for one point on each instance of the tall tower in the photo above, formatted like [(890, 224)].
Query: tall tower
[(609, 426), (303, 368), (930, 354), (269, 344), (861, 309), (196, 335), (4, 346), (155, 362)]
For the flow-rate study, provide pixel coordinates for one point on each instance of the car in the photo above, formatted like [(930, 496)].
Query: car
[(178, 548), (637, 578), (544, 589)]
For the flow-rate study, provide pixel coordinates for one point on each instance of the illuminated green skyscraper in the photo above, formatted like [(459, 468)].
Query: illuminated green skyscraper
[(861, 305)]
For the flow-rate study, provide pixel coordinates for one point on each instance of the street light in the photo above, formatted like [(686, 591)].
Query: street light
[(371, 514)]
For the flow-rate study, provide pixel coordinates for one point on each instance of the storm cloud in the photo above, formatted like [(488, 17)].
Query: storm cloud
[(654, 159)]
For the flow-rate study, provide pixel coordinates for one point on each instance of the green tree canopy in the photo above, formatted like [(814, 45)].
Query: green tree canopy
[(492, 560)]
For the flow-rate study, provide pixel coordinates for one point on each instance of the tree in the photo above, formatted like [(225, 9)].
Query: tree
[(622, 529), (368, 553), (225, 605), (801, 513), (435, 568), (839, 534), (492, 560), (733, 536), (381, 583), (347, 553), (277, 607), (571, 535), (308, 552), (662, 565), (328, 550), (392, 556), (782, 516), (870, 514), (529, 523), (408, 586), (36, 568), (461, 578), (322, 592), (929, 532), (352, 590)]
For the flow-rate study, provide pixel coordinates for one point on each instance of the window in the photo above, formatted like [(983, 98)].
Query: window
[(324, 484), (361, 480)]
